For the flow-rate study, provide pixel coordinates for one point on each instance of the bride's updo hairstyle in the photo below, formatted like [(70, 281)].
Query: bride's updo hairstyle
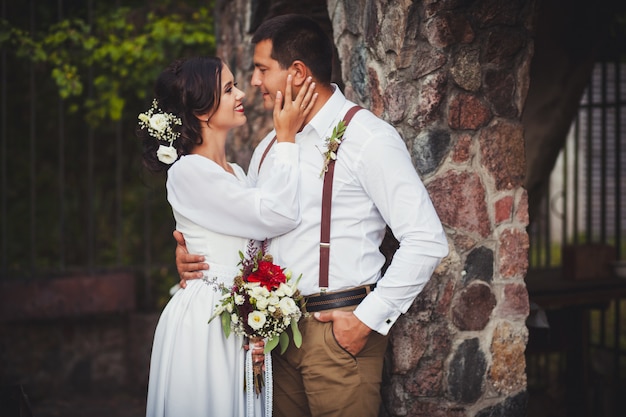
[(186, 89)]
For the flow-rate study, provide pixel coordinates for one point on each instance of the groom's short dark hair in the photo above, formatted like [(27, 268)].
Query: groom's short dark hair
[(297, 37)]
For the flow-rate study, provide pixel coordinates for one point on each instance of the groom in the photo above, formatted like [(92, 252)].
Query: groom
[(338, 370)]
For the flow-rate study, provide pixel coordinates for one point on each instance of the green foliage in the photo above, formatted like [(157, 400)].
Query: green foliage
[(77, 197), (123, 51)]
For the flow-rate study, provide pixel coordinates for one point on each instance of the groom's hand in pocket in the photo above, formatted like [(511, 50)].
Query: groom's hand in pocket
[(350, 332)]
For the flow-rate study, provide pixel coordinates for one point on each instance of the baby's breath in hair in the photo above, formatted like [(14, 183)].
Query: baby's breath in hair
[(159, 125)]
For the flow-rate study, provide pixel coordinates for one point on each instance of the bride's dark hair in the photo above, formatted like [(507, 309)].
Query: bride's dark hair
[(187, 88)]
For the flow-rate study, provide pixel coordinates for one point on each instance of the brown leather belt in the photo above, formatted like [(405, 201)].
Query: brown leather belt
[(331, 300)]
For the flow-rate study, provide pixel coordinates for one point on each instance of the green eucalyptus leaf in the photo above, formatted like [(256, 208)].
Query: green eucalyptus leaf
[(226, 323), (295, 330), (284, 342), (270, 344)]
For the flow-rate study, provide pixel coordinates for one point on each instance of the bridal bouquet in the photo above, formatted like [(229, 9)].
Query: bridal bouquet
[(261, 304)]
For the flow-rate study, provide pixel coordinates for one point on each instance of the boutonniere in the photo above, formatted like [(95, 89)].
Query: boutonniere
[(332, 144)]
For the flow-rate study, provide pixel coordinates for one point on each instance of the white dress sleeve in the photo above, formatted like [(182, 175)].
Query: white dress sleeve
[(201, 191)]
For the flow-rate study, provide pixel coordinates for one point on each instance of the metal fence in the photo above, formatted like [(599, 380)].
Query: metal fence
[(584, 205), (73, 197), (584, 202)]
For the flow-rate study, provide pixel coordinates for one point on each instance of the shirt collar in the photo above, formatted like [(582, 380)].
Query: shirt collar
[(327, 116)]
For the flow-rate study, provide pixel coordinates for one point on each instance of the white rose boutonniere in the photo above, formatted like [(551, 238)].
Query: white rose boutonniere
[(332, 144)]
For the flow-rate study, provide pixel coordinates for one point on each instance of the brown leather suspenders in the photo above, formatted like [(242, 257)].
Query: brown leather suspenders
[(326, 206), (327, 194), (269, 145)]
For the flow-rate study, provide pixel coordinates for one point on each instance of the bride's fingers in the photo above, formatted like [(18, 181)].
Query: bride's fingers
[(258, 355), (256, 347), (309, 101), (288, 89), (278, 104), (304, 95)]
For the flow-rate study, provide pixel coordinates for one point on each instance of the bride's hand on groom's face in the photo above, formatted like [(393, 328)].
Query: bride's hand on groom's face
[(289, 112), (189, 266)]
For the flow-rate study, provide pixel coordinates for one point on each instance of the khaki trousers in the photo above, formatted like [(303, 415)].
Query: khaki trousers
[(321, 379)]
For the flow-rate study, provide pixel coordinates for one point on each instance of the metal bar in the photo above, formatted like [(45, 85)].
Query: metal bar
[(547, 254), (564, 211), (90, 166), (33, 154), (616, 347), (603, 154), (118, 192), (576, 197), (3, 157), (618, 227), (602, 341), (589, 136), (61, 177), (618, 160)]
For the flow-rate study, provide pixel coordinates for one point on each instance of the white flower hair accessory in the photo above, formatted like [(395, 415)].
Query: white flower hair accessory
[(160, 126)]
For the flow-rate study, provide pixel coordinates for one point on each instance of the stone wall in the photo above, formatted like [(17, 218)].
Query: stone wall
[(452, 77)]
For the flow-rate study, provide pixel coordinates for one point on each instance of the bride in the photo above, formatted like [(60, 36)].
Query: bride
[(194, 370)]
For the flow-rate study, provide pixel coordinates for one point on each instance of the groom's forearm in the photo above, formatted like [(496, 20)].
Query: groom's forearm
[(189, 266)]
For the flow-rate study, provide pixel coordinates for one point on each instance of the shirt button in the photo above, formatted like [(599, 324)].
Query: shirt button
[(388, 321)]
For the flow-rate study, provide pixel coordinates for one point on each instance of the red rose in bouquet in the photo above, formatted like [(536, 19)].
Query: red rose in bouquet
[(268, 275)]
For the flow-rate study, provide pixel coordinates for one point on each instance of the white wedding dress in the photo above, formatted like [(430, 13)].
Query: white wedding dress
[(194, 370)]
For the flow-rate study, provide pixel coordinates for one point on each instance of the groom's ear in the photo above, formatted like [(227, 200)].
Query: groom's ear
[(300, 72)]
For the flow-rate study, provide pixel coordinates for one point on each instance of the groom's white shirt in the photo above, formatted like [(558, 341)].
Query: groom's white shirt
[(375, 184)]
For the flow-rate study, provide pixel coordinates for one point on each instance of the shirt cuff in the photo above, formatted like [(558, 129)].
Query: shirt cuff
[(286, 152), (376, 314)]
